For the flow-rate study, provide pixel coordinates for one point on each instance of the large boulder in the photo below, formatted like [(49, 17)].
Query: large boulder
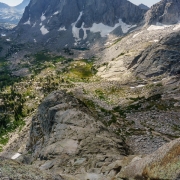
[(163, 164)]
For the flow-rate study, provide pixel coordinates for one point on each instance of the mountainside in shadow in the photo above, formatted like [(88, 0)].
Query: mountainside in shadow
[(22, 5), (76, 21)]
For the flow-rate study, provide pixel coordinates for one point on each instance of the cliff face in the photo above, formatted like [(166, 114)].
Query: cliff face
[(66, 138), (69, 21), (165, 12), (161, 58)]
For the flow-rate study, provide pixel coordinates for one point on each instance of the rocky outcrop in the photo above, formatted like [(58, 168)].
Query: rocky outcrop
[(66, 138), (72, 21), (162, 164), (165, 12), (10, 169), (160, 58)]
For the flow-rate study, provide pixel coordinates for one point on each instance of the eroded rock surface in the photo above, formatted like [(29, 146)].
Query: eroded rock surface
[(165, 12), (10, 169), (66, 138)]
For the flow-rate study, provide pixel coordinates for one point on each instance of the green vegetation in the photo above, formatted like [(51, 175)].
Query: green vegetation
[(20, 96), (144, 104)]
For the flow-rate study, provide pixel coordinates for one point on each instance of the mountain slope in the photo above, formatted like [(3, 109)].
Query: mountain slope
[(165, 12), (3, 5), (88, 20)]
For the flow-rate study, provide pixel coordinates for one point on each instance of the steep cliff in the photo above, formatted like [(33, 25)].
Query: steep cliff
[(165, 12), (77, 21)]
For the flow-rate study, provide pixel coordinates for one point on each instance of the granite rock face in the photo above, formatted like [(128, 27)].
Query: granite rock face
[(160, 58), (165, 12), (70, 21), (66, 138), (10, 169), (162, 164)]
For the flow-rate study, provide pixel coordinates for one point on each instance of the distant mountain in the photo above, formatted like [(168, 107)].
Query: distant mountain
[(3, 5), (76, 21), (142, 6), (165, 12), (12, 15)]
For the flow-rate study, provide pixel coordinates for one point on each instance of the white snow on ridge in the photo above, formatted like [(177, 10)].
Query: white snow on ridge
[(34, 24), (103, 29), (125, 27), (44, 30), (176, 27), (3, 35), (43, 17), (158, 26), (57, 12), (16, 156), (62, 29), (75, 30), (28, 22)]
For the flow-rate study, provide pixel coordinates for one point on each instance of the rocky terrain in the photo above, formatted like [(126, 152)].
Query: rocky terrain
[(108, 110), (165, 12)]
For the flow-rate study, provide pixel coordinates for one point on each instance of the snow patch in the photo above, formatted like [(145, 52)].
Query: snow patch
[(62, 29), (139, 86), (43, 17), (57, 12), (104, 30), (8, 40), (135, 35), (156, 40), (28, 22), (44, 30), (34, 24), (16, 156), (158, 26), (3, 35), (125, 27), (75, 30), (107, 44), (176, 27), (35, 40)]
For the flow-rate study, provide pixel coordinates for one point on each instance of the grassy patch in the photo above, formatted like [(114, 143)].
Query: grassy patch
[(80, 70)]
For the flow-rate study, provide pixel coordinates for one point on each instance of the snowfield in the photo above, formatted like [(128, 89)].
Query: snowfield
[(103, 29), (44, 30)]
